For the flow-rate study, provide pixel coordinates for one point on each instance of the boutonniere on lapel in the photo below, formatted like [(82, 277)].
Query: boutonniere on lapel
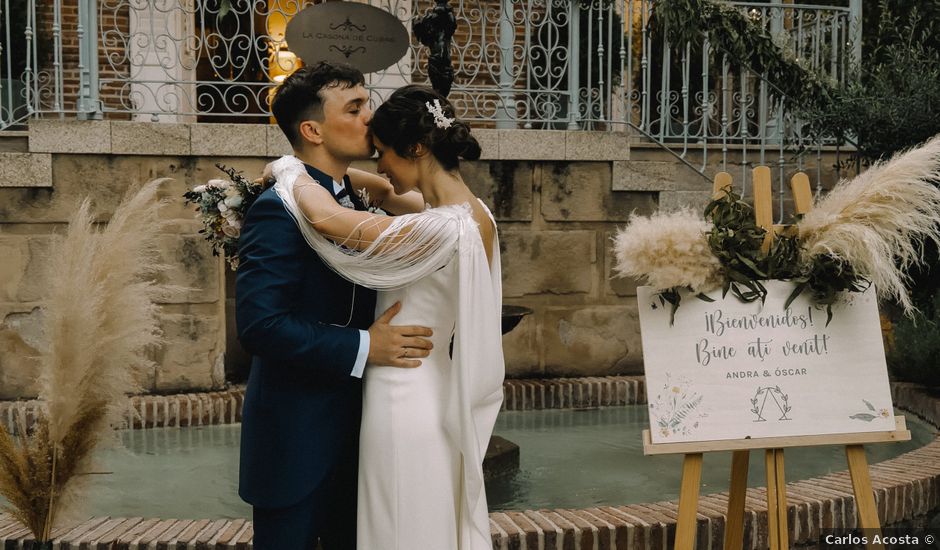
[(372, 207)]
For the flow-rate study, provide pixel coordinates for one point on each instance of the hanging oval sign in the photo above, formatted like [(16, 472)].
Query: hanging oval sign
[(366, 37)]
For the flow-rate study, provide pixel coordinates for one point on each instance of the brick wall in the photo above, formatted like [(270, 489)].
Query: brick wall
[(474, 53), (112, 60)]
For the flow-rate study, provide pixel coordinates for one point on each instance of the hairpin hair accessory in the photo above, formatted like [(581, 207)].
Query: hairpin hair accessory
[(440, 120)]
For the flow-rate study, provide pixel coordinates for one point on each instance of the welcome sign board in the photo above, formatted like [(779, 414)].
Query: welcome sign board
[(733, 370)]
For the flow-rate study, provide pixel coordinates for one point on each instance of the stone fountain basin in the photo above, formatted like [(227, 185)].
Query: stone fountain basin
[(906, 486), (512, 316)]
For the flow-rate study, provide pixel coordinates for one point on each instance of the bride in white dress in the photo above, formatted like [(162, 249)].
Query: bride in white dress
[(424, 430)]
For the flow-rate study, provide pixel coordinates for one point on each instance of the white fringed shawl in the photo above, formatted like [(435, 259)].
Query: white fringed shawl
[(430, 240)]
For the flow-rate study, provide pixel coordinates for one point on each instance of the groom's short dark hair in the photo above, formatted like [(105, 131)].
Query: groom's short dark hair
[(298, 98)]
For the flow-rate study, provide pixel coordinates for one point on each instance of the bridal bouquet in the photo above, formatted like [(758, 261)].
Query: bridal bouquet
[(221, 205), (868, 230)]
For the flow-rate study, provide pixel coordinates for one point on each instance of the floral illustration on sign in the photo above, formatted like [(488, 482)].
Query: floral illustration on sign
[(871, 414), (676, 408), (770, 395)]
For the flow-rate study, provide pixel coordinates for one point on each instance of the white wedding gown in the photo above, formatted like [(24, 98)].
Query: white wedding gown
[(409, 468), (425, 430)]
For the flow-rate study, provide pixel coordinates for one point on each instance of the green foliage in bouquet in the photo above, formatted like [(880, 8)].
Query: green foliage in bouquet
[(827, 277), (222, 205), (736, 240), (870, 230)]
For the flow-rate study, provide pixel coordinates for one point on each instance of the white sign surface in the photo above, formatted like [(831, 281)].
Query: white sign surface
[(733, 370)]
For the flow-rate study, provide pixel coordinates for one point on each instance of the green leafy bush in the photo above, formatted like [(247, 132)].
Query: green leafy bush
[(747, 44), (915, 353), (895, 103)]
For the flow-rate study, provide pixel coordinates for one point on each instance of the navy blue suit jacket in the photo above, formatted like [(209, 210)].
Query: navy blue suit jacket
[(302, 407)]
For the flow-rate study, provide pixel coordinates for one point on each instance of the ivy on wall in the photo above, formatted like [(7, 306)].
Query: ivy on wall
[(748, 45)]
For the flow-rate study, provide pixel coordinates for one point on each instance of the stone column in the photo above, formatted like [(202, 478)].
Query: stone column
[(163, 65)]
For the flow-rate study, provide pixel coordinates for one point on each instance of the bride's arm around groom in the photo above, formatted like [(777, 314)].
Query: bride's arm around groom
[(382, 195)]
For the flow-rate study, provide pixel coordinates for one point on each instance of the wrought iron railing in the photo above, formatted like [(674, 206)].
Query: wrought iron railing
[(548, 64), (691, 98)]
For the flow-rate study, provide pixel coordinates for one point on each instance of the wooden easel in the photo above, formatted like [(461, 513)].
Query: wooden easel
[(772, 446)]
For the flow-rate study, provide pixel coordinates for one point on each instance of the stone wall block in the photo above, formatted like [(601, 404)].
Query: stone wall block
[(193, 269), (37, 273), (205, 168), (614, 285), (644, 176), (24, 275), (653, 175), (675, 200), (592, 341), (20, 342), (103, 179), (505, 187), (69, 136), (149, 138), (527, 145), (147, 377), (580, 191), (179, 179), (276, 142), (14, 250), (187, 173), (489, 143), (25, 170), (604, 146), (521, 349), (230, 140), (186, 363), (731, 162), (548, 262)]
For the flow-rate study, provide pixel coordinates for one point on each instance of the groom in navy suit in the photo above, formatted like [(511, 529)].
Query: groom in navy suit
[(311, 332)]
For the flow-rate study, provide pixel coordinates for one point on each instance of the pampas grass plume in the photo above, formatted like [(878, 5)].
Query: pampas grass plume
[(101, 322), (878, 221), (667, 250)]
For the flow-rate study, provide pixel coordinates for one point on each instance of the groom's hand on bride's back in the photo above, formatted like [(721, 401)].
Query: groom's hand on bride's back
[(397, 346)]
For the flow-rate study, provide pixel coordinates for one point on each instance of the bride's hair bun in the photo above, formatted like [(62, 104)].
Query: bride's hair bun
[(404, 121)]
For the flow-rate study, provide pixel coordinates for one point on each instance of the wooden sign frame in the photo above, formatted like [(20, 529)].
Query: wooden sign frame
[(773, 446)]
